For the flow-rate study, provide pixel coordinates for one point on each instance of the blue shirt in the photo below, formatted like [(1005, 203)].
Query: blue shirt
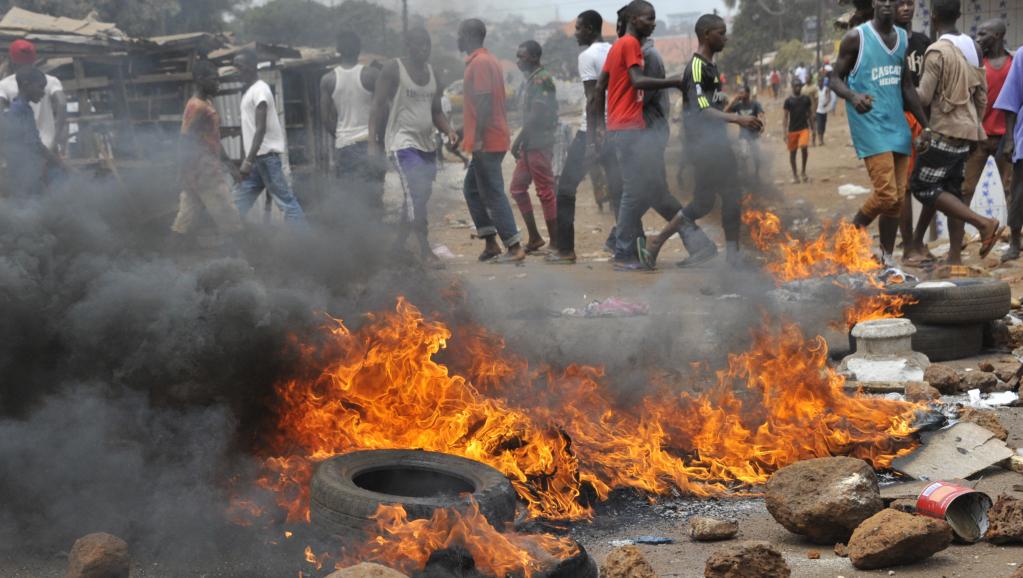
[(1011, 100), (878, 72), (23, 149)]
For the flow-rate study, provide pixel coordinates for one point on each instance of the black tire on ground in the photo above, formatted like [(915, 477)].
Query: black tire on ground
[(582, 565), (970, 301), (419, 481), (949, 342)]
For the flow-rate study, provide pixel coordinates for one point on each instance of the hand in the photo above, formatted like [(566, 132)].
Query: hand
[(863, 103), (679, 82), (923, 142), (516, 149), (235, 173), (246, 168), (452, 139), (749, 123)]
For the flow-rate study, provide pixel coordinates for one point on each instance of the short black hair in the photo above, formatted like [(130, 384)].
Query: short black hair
[(475, 27), (635, 6), (706, 23), (947, 10), (28, 76), (532, 48), (593, 19), (204, 69), (349, 44)]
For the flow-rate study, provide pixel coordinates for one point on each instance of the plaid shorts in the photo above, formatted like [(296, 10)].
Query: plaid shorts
[(940, 169)]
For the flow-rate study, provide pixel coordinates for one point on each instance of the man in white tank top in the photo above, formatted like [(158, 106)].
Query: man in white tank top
[(346, 97), (408, 98)]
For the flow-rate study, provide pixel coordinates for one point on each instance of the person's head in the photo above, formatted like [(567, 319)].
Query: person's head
[(712, 32), (945, 13), (418, 45), (991, 37), (904, 12), (247, 63), (884, 11), (642, 18), (471, 34), (797, 86), (743, 93), (31, 84), (349, 46), (622, 24), (206, 77), (22, 53), (528, 56), (588, 27)]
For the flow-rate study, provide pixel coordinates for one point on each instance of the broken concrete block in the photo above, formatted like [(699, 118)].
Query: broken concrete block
[(99, 555), (884, 352), (921, 392), (824, 499), (986, 419), (957, 452), (626, 562), (750, 559), (985, 382), (366, 570), (1005, 521), (943, 378), (704, 529), (892, 538)]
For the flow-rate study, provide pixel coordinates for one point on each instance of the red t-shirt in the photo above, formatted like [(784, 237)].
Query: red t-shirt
[(483, 75), (994, 119), (624, 102)]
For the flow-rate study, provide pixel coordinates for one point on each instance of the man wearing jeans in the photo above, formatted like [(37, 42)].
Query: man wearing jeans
[(488, 139), (263, 141)]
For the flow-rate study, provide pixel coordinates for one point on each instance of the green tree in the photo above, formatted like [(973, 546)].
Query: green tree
[(791, 54), (760, 26), (310, 23)]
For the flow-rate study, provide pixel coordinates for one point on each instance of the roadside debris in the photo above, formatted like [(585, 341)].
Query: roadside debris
[(993, 400), (957, 452), (645, 540), (980, 380), (884, 353), (366, 570), (1005, 521), (850, 190), (610, 307), (99, 555), (750, 559), (626, 562), (824, 499), (921, 392), (841, 550), (892, 538), (943, 378), (704, 529), (962, 507), (986, 419)]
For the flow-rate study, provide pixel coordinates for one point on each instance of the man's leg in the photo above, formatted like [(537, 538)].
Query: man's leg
[(485, 228), (634, 156), (543, 179), (1015, 213), (491, 186), (247, 191), (421, 176), (806, 156), (884, 200), (215, 195), (791, 142), (280, 189), (568, 185), (615, 184), (519, 189), (188, 213)]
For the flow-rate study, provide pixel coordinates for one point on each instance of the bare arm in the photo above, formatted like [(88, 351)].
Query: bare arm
[(785, 122), (911, 100), (644, 82), (58, 100), (328, 114), (441, 120), (386, 88), (848, 53), (595, 108), (1009, 140), (257, 138)]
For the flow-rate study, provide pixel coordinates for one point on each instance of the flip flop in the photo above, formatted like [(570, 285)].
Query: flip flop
[(530, 249), (556, 259), (506, 259), (631, 267), (488, 256), (989, 243), (645, 257)]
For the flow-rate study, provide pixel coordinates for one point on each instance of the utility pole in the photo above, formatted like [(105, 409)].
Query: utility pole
[(820, 29), (404, 17)]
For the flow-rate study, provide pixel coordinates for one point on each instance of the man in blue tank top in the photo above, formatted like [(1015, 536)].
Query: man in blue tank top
[(870, 74)]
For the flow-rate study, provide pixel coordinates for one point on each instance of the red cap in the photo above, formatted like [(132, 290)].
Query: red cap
[(23, 52)]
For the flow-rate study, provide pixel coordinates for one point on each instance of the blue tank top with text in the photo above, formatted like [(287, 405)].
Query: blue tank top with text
[(878, 72)]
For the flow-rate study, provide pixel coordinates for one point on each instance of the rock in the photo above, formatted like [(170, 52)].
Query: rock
[(986, 366), (704, 529), (1006, 521), (750, 559), (921, 392), (824, 499), (943, 378), (99, 555), (813, 555), (626, 562), (367, 570), (986, 419), (1006, 371), (906, 505), (841, 550), (1018, 573), (985, 382), (891, 538)]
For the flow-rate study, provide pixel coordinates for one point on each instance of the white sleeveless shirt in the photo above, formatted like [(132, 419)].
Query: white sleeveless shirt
[(353, 103), (965, 45), (410, 124)]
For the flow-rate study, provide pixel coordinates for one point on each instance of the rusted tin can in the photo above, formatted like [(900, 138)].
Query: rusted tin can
[(965, 509)]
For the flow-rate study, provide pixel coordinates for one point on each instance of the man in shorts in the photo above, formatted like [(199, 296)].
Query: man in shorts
[(796, 122)]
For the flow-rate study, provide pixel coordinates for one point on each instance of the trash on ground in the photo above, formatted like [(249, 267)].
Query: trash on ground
[(645, 540), (996, 399), (956, 452), (965, 509), (852, 190), (610, 307), (443, 252)]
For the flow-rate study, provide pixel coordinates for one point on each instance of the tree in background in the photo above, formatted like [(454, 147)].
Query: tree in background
[(139, 17), (761, 26), (561, 56), (310, 23)]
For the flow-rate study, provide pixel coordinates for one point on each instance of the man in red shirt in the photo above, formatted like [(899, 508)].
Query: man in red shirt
[(997, 63), (488, 139)]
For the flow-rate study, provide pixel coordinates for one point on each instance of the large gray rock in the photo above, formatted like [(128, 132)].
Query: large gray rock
[(824, 499), (99, 555), (943, 378), (892, 538), (749, 559), (703, 529)]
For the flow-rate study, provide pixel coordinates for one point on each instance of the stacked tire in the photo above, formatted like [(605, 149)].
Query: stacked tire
[(951, 315)]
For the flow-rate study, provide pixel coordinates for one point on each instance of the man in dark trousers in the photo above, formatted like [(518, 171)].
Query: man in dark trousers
[(28, 159), (997, 62), (796, 124)]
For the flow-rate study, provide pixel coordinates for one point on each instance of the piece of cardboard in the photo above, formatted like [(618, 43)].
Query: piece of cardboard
[(957, 452)]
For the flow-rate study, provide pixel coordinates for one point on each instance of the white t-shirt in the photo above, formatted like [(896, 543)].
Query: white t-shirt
[(274, 140), (802, 74), (591, 64), (44, 108)]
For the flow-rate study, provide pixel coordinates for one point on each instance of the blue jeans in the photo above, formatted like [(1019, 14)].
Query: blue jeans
[(488, 205), (641, 161), (268, 173)]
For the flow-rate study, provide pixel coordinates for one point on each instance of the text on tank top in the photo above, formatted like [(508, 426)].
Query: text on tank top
[(878, 73), (410, 124), (353, 103)]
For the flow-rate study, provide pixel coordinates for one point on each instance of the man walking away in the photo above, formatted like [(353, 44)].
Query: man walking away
[(51, 111), (997, 63), (796, 124), (584, 151), (27, 157), (263, 141), (203, 161), (954, 88), (346, 97), (533, 149), (825, 105), (775, 83), (870, 74), (408, 97), (488, 139), (916, 46), (744, 105)]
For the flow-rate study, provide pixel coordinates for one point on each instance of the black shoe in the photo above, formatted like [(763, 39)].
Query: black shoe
[(1011, 254)]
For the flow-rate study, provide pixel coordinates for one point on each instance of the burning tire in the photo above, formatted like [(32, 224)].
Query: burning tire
[(966, 301), (346, 491)]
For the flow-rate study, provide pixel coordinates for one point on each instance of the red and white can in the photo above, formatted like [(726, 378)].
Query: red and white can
[(965, 509)]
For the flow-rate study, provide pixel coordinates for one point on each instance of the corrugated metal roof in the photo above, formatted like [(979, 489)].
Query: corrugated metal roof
[(21, 19)]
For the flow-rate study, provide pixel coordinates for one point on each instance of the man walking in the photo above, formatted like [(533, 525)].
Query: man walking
[(997, 63), (584, 151), (916, 46), (408, 97), (1010, 101), (825, 105), (954, 81), (51, 111), (346, 97), (487, 138), (870, 74), (796, 123), (534, 147), (263, 141), (203, 161), (27, 158), (744, 105)]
